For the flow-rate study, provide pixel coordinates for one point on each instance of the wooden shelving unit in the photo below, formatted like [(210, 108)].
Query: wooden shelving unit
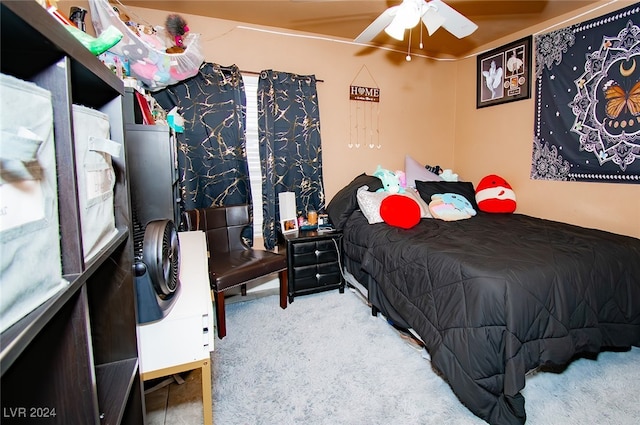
[(76, 355)]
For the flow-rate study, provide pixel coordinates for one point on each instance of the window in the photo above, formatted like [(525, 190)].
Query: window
[(255, 177), (253, 155)]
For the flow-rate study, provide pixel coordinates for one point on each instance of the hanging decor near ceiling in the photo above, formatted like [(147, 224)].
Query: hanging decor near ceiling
[(587, 97), (364, 114)]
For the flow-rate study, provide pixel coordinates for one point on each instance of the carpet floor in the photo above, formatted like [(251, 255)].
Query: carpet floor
[(327, 360)]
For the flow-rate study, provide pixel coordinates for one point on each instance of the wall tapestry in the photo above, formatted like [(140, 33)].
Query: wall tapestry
[(587, 97)]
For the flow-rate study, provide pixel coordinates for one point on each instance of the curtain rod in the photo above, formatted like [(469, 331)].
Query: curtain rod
[(258, 73)]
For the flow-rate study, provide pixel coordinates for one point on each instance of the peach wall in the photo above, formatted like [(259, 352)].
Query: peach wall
[(411, 121), (498, 139), (427, 110)]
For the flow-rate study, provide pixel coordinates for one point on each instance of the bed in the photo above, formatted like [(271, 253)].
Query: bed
[(495, 296)]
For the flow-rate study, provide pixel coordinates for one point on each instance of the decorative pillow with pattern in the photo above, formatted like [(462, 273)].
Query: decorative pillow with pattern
[(450, 207), (370, 202)]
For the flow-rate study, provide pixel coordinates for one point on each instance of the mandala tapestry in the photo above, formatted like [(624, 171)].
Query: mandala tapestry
[(587, 97)]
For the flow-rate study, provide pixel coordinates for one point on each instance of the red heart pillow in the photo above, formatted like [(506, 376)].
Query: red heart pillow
[(400, 211)]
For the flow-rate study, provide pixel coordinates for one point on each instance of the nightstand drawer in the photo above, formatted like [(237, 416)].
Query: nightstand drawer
[(314, 252), (316, 275)]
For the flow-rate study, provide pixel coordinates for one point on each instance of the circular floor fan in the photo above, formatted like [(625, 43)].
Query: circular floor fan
[(161, 254)]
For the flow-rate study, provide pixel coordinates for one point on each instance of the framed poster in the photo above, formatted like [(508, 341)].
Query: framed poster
[(504, 74)]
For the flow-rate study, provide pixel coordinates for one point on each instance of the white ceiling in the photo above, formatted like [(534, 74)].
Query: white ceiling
[(347, 19)]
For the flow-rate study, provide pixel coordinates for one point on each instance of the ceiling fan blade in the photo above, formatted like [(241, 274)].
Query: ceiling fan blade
[(454, 22), (432, 20), (378, 25)]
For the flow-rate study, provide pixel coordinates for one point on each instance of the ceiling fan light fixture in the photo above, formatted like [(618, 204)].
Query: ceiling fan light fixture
[(407, 16), (433, 13), (432, 20), (395, 30)]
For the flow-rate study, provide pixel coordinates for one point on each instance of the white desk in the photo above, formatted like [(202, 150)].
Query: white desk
[(183, 339)]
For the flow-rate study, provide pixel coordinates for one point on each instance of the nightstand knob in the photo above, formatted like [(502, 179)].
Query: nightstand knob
[(317, 252), (317, 275)]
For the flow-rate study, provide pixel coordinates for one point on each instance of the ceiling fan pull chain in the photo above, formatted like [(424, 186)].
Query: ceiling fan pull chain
[(408, 58)]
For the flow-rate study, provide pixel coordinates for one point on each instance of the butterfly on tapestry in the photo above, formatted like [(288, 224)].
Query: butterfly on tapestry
[(587, 97)]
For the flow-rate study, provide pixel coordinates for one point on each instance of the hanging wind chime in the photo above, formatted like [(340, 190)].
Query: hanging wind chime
[(364, 115)]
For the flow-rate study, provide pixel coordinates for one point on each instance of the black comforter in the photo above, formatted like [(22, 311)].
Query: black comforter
[(498, 295)]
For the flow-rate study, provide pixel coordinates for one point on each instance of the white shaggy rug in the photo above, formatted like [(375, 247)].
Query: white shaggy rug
[(326, 360)]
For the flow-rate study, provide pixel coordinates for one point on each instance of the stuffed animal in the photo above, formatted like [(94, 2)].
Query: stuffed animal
[(400, 211), (390, 182), (449, 176), (435, 169), (494, 195), (450, 207), (150, 36), (177, 27), (402, 178), (139, 63)]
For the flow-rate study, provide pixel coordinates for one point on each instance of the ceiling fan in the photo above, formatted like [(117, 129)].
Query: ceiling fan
[(434, 14)]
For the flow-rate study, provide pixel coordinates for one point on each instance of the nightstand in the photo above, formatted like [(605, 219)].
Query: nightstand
[(313, 261)]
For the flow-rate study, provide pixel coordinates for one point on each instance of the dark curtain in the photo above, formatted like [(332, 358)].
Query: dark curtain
[(290, 150), (212, 158)]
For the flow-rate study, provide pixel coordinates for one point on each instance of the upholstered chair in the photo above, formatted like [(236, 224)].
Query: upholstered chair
[(232, 262)]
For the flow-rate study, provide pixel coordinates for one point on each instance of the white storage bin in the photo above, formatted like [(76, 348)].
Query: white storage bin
[(30, 260), (96, 178)]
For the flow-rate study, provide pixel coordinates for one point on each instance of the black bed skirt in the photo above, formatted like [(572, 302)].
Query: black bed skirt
[(374, 294)]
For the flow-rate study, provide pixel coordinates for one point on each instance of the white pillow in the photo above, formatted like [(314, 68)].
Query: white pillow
[(415, 171), (369, 203)]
